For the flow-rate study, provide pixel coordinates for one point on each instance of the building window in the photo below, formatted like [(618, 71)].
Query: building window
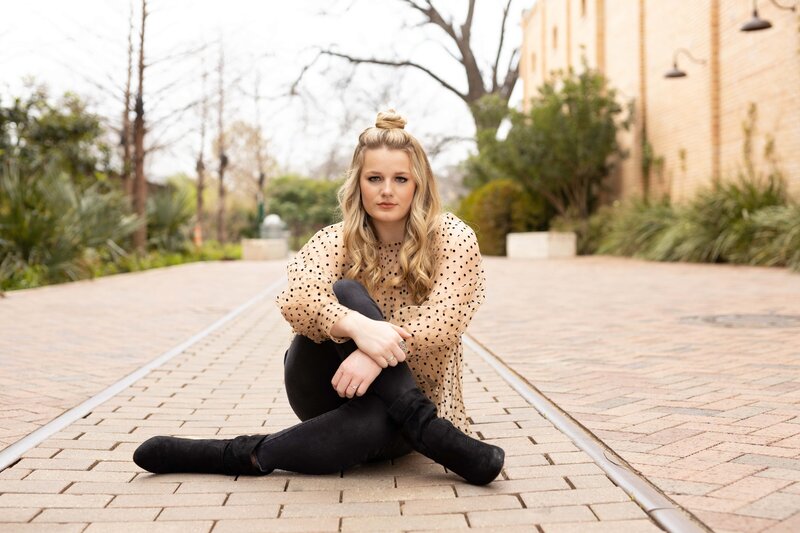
[(583, 8), (555, 37)]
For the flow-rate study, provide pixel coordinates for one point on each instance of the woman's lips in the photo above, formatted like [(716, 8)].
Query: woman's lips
[(387, 206)]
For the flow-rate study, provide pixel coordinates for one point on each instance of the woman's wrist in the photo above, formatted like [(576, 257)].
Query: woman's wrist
[(348, 325)]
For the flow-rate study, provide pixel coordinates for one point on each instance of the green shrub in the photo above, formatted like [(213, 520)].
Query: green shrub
[(209, 251), (305, 205), (501, 207), (635, 228), (170, 213), (776, 239), (51, 231), (741, 221), (588, 231)]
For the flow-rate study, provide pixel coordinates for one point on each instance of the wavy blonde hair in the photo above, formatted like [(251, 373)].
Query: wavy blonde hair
[(417, 259)]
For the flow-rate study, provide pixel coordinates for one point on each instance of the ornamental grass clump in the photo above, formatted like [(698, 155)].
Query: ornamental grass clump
[(745, 221)]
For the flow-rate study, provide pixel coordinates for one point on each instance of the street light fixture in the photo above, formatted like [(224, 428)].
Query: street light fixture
[(757, 23), (675, 72)]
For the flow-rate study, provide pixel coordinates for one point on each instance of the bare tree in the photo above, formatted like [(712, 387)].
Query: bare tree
[(486, 113), (223, 158), (125, 133), (259, 153), (140, 185), (200, 167)]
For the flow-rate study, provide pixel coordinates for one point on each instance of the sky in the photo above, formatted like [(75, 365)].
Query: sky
[(81, 46)]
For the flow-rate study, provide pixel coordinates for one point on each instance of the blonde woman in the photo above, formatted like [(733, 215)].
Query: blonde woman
[(378, 303)]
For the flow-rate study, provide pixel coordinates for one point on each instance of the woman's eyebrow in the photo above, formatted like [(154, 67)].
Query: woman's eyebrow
[(381, 173)]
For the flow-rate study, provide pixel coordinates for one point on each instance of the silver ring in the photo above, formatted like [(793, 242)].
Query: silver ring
[(353, 387), (404, 347)]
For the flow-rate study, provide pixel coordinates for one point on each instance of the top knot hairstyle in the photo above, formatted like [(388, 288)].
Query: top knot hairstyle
[(417, 260), (389, 119)]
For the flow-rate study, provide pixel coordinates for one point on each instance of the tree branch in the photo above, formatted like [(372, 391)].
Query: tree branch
[(384, 62), (511, 75), (500, 46), (466, 28), (434, 17)]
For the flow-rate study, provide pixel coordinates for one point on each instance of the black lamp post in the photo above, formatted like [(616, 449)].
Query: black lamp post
[(675, 72), (757, 23)]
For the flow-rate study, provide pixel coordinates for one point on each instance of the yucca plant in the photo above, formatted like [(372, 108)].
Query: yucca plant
[(51, 231), (169, 217)]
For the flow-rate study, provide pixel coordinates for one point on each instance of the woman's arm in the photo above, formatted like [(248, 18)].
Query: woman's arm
[(308, 303), (376, 338)]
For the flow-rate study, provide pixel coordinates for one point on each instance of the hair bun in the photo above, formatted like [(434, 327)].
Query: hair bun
[(389, 119)]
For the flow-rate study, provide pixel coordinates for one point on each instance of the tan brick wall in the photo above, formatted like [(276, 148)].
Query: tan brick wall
[(679, 114), (622, 67), (761, 67)]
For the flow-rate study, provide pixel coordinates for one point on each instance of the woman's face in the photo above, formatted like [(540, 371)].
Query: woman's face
[(387, 185)]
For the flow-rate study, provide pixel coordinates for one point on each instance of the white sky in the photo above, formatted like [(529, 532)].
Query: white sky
[(81, 46)]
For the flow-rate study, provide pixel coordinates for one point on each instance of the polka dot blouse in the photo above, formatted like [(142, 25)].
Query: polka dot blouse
[(434, 351)]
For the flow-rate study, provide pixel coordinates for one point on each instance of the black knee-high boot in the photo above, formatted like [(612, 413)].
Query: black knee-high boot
[(436, 438), (162, 455)]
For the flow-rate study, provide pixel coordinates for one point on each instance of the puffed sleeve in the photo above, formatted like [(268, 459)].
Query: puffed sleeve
[(308, 303), (459, 288)]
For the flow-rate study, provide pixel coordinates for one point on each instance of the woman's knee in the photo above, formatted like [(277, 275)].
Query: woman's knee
[(349, 290), (354, 295)]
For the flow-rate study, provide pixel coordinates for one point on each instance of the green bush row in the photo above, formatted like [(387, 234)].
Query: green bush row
[(742, 221), (24, 276)]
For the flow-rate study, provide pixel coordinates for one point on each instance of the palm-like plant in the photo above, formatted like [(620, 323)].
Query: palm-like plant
[(52, 231), (169, 217)]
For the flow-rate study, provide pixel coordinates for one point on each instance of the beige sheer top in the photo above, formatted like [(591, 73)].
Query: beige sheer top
[(434, 350)]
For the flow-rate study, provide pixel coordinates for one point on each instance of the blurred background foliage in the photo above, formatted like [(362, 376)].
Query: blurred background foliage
[(64, 215), (304, 204)]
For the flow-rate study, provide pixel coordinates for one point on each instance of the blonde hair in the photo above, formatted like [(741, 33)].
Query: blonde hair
[(417, 259)]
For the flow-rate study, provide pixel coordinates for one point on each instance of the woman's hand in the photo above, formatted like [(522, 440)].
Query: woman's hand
[(380, 340), (355, 375)]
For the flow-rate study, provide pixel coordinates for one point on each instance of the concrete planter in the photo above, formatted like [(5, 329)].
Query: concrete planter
[(541, 245), (264, 249)]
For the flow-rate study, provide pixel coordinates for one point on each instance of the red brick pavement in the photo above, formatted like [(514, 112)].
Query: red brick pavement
[(61, 344), (83, 479), (709, 414)]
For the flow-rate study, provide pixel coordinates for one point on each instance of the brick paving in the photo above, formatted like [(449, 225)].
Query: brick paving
[(82, 479), (61, 344), (709, 414)]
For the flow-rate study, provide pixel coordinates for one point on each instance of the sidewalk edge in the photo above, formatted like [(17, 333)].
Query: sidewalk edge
[(11, 454), (663, 510)]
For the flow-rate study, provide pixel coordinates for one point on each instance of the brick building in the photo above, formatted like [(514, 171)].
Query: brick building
[(695, 123)]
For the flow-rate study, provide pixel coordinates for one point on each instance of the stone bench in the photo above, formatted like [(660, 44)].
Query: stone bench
[(541, 245)]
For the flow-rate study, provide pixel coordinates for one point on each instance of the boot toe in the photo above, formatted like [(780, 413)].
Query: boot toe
[(492, 465), (148, 455)]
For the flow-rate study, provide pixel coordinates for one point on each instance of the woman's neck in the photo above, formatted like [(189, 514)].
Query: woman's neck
[(390, 232)]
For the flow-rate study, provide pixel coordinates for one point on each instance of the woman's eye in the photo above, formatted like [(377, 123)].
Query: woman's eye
[(402, 178), (376, 177)]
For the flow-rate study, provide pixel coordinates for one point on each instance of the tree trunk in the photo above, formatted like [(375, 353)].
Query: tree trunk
[(125, 135), (140, 189), (201, 169), (223, 159)]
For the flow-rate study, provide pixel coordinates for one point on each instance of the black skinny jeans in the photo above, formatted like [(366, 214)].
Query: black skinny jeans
[(335, 433)]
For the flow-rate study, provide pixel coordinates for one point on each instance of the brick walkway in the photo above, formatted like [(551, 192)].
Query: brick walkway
[(61, 344), (708, 414), (82, 479)]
